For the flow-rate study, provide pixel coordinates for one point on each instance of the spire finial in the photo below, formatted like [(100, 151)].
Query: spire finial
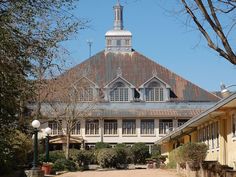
[(118, 21)]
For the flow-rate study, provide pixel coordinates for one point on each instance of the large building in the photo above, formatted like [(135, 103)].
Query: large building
[(138, 99)]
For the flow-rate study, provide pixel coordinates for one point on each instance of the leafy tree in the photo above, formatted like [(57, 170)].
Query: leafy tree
[(140, 152), (31, 33)]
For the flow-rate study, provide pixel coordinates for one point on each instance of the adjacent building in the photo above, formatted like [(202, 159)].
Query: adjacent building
[(215, 126), (137, 100)]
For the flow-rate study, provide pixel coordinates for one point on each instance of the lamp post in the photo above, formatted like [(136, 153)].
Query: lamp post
[(224, 89), (35, 125), (48, 131)]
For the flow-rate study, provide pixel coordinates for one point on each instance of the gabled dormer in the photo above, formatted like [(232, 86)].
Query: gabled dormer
[(155, 90), (86, 89), (119, 89)]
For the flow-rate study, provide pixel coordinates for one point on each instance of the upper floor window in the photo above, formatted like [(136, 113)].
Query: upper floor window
[(118, 42), (234, 125), (154, 92), (110, 127), (165, 126), (86, 94), (147, 127), (56, 129), (76, 129), (127, 42), (92, 127), (119, 92), (108, 41)]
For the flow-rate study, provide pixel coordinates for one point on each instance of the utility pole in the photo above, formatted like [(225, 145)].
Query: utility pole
[(90, 42)]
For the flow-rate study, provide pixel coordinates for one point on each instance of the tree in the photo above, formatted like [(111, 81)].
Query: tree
[(31, 33), (67, 105), (216, 21)]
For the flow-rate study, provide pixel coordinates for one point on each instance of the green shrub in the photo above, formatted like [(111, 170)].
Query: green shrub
[(140, 152), (122, 155), (107, 158), (53, 156), (101, 145), (64, 165), (85, 157), (73, 154), (172, 159), (192, 153)]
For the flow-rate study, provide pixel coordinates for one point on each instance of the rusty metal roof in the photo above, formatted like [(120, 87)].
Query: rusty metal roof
[(136, 69)]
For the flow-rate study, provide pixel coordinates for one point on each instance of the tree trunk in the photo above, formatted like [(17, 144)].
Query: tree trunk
[(67, 144)]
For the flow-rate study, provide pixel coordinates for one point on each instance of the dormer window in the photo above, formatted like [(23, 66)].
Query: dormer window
[(86, 94), (154, 92), (119, 92)]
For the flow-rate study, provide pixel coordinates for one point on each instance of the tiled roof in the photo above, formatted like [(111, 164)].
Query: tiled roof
[(137, 69)]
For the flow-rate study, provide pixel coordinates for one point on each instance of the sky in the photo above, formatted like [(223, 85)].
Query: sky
[(157, 34)]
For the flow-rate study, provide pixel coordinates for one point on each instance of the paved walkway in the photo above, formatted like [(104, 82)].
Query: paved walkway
[(124, 173)]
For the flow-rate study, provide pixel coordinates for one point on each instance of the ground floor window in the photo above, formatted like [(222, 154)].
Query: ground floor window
[(110, 127), (129, 127), (165, 125), (91, 127), (147, 126)]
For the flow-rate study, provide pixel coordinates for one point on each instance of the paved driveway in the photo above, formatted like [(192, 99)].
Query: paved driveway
[(124, 173)]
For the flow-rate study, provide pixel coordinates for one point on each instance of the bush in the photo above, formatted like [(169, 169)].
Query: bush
[(102, 145), (192, 153), (85, 157), (140, 152), (122, 156), (73, 154), (53, 156), (64, 165), (107, 158)]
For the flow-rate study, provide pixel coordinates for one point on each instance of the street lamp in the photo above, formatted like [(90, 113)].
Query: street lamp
[(35, 125), (48, 131), (224, 89)]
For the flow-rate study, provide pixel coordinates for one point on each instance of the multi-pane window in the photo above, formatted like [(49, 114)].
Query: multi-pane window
[(147, 127), (165, 125), (118, 42), (76, 129), (110, 127), (55, 127), (85, 94), (209, 135), (127, 42), (181, 121), (91, 127), (129, 127), (154, 92), (234, 125), (119, 92), (108, 41)]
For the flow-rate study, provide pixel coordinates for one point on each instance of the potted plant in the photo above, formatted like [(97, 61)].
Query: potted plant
[(47, 167)]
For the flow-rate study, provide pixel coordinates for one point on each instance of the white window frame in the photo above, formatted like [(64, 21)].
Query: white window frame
[(164, 125), (154, 92), (110, 127), (91, 127), (119, 93), (147, 127), (129, 127), (55, 127), (86, 94), (76, 129)]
